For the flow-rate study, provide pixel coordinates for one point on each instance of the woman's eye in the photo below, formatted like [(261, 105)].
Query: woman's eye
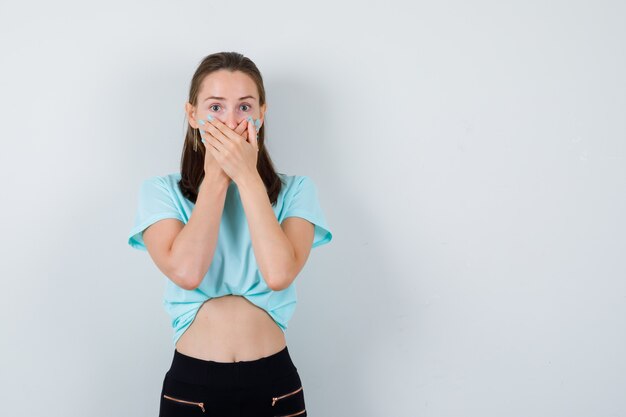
[(212, 107)]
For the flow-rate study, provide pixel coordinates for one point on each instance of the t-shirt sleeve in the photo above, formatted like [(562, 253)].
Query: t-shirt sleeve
[(154, 203), (305, 203)]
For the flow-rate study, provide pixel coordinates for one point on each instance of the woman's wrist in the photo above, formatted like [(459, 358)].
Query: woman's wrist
[(214, 182)]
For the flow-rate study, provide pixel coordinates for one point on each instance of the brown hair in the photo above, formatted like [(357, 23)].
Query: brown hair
[(192, 163)]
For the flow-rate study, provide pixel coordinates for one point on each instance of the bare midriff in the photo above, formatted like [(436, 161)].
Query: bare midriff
[(231, 329)]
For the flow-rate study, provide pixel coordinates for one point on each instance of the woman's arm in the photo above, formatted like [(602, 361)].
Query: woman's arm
[(193, 248), (279, 259)]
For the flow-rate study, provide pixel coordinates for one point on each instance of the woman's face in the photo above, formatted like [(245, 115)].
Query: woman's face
[(228, 96)]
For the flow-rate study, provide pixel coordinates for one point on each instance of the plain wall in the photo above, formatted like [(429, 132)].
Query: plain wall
[(470, 159)]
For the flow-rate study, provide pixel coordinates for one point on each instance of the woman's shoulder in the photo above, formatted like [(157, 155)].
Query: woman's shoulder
[(169, 180), (290, 180), (297, 186), (290, 183), (162, 184)]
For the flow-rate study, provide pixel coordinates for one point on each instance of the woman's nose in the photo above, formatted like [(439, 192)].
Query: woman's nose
[(230, 121)]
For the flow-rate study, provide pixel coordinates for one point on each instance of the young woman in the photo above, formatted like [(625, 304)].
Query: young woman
[(231, 234)]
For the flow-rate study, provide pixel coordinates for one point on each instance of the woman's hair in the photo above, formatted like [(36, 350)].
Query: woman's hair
[(192, 163)]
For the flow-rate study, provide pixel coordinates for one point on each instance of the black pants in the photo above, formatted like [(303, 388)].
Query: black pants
[(265, 387)]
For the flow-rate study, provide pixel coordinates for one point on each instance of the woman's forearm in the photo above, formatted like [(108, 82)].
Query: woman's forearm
[(194, 246), (273, 251)]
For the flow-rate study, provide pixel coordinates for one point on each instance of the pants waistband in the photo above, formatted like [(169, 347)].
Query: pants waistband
[(230, 374)]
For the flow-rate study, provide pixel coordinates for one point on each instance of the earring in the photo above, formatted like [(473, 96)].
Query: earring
[(195, 141)]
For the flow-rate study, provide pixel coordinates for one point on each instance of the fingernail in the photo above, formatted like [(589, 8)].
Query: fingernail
[(203, 141), (201, 122), (209, 117)]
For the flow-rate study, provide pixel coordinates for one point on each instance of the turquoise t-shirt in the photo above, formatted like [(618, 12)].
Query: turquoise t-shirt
[(233, 269)]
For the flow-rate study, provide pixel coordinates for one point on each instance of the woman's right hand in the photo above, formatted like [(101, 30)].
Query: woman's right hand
[(211, 167)]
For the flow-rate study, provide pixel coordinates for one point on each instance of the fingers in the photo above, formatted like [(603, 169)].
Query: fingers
[(204, 126), (252, 136), (222, 132), (241, 128), (202, 129)]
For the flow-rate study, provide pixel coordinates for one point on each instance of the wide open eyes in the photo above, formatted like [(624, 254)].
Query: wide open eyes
[(247, 107)]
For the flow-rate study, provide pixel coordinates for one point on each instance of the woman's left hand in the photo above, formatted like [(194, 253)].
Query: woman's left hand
[(236, 155)]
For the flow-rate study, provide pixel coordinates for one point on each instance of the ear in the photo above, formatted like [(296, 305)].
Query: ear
[(190, 111)]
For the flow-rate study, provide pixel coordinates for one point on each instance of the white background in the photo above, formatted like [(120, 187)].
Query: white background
[(470, 158)]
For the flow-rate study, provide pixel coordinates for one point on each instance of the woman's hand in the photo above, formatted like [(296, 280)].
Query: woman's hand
[(211, 167), (235, 154)]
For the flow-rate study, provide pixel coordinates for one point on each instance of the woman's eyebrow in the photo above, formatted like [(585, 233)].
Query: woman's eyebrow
[(222, 98)]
